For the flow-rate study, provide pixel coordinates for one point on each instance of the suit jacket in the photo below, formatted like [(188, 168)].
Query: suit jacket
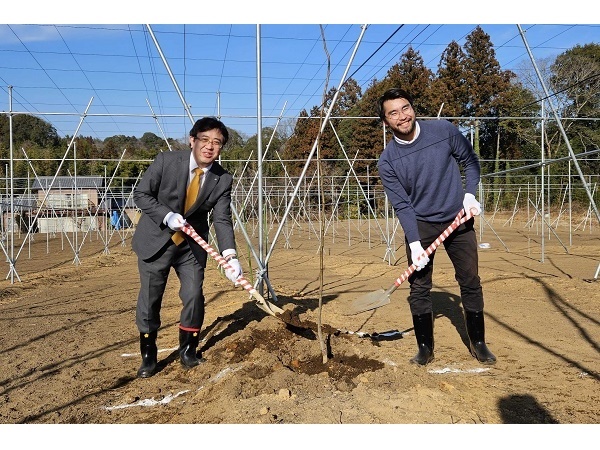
[(162, 189)]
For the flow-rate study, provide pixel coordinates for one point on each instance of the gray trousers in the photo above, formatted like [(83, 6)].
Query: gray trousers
[(154, 273), (461, 247)]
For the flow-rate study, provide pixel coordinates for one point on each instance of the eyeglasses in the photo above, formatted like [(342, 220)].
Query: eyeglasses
[(393, 115), (206, 140)]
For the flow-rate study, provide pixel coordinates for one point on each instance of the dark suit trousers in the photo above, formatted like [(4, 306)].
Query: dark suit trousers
[(461, 247), (154, 273)]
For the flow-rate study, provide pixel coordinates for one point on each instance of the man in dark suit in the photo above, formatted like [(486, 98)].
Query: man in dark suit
[(160, 245)]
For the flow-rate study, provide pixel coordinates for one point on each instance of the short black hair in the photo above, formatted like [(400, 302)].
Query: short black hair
[(210, 123), (392, 94)]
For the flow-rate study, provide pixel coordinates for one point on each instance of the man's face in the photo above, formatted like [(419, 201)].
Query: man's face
[(400, 117), (206, 146)]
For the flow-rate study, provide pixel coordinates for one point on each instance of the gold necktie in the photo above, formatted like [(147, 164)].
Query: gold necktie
[(190, 197)]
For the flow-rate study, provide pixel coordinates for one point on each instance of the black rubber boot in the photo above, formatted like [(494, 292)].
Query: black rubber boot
[(423, 324), (188, 343), (476, 330), (149, 354)]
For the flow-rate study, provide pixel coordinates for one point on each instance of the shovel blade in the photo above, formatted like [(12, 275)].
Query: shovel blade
[(270, 308), (370, 301), (265, 305)]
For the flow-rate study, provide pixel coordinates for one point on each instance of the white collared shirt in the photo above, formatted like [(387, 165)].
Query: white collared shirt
[(193, 166), (417, 132)]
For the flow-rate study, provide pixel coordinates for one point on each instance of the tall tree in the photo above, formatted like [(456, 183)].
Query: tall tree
[(575, 78), (450, 86), (573, 82), (349, 95), (412, 75), (486, 85), (364, 137), (516, 139), (307, 127), (300, 143)]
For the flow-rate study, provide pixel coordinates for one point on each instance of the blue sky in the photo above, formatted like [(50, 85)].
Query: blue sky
[(61, 65)]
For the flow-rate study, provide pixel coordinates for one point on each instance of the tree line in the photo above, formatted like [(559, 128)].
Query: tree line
[(499, 108)]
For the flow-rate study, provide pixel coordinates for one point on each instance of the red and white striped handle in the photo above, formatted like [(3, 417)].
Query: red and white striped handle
[(435, 244), (187, 229)]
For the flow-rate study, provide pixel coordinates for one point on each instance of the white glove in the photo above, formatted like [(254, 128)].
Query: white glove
[(470, 203), (418, 255), (235, 272), (175, 221)]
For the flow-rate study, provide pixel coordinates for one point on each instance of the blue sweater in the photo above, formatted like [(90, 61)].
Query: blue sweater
[(422, 179)]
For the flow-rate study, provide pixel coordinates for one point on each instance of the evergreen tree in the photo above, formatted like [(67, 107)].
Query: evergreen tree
[(486, 85), (411, 74), (450, 86)]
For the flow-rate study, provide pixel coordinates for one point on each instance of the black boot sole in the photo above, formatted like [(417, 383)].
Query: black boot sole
[(423, 357), (488, 359), (146, 372), (190, 364), (424, 363)]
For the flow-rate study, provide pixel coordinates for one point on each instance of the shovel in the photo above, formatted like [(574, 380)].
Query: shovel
[(263, 304), (381, 297)]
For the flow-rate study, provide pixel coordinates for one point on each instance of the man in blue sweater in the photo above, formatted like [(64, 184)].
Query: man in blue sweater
[(420, 171)]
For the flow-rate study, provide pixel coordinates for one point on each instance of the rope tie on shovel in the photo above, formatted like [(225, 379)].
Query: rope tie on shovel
[(380, 298)]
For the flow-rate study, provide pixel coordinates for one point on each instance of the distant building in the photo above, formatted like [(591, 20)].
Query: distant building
[(68, 204), (68, 192)]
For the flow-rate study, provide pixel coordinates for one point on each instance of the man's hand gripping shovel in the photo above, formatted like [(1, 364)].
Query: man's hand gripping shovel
[(381, 297), (263, 304)]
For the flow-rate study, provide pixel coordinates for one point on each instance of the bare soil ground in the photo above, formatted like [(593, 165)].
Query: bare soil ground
[(69, 348)]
